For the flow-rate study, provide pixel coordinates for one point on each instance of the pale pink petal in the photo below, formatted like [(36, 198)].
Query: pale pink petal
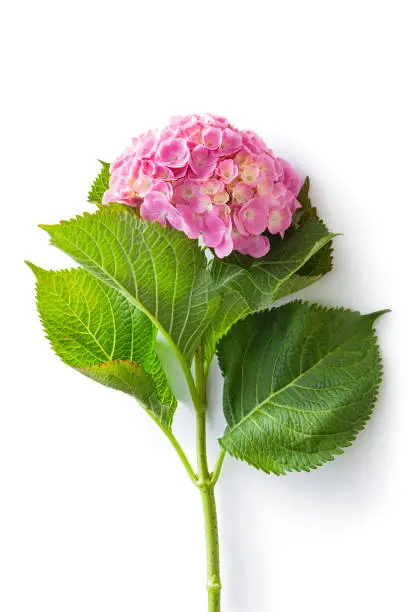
[(242, 193), (227, 170), (279, 220), (221, 198), (270, 166), (254, 143), (251, 175), (108, 197), (143, 185), (216, 120), (146, 144), (211, 186), (200, 203)]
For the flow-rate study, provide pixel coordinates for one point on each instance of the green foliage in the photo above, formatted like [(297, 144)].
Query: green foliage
[(100, 184), (159, 270), (248, 285), (94, 329), (300, 383), (300, 380), (321, 262), (307, 211)]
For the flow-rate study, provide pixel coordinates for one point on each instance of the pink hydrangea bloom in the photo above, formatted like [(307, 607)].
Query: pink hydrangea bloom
[(202, 176)]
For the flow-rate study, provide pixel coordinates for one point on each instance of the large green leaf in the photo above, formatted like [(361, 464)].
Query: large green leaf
[(300, 383), (94, 329), (100, 184), (248, 285), (158, 269)]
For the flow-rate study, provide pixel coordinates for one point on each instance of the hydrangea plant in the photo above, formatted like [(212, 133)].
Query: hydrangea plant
[(200, 231)]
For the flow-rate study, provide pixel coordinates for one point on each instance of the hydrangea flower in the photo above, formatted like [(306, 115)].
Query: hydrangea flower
[(202, 176)]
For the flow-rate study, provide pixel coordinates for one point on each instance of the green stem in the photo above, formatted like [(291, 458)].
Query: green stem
[(177, 447), (217, 469), (206, 486)]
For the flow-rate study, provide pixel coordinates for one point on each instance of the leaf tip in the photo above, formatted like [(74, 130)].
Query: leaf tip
[(45, 226), (373, 316), (35, 269)]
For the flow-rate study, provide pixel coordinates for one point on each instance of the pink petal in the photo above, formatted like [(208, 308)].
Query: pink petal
[(270, 167), (240, 242), (231, 142), (211, 187), (251, 175), (108, 197), (184, 191), (163, 187), (173, 153), (155, 207), (162, 172), (142, 186), (212, 137), (291, 179), (145, 145), (279, 220), (225, 247), (200, 203), (192, 222), (221, 198), (214, 230), (148, 168), (203, 161), (254, 143), (174, 218), (242, 192), (239, 224), (254, 216), (216, 120), (228, 171), (258, 246)]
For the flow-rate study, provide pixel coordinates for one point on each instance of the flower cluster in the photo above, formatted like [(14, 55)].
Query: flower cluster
[(202, 176)]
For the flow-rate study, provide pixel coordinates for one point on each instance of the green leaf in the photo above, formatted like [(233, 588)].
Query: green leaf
[(159, 270), (100, 184), (321, 262), (248, 285), (94, 329), (132, 379), (300, 383), (307, 211)]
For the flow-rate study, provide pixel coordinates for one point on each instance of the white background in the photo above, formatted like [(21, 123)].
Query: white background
[(96, 513)]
